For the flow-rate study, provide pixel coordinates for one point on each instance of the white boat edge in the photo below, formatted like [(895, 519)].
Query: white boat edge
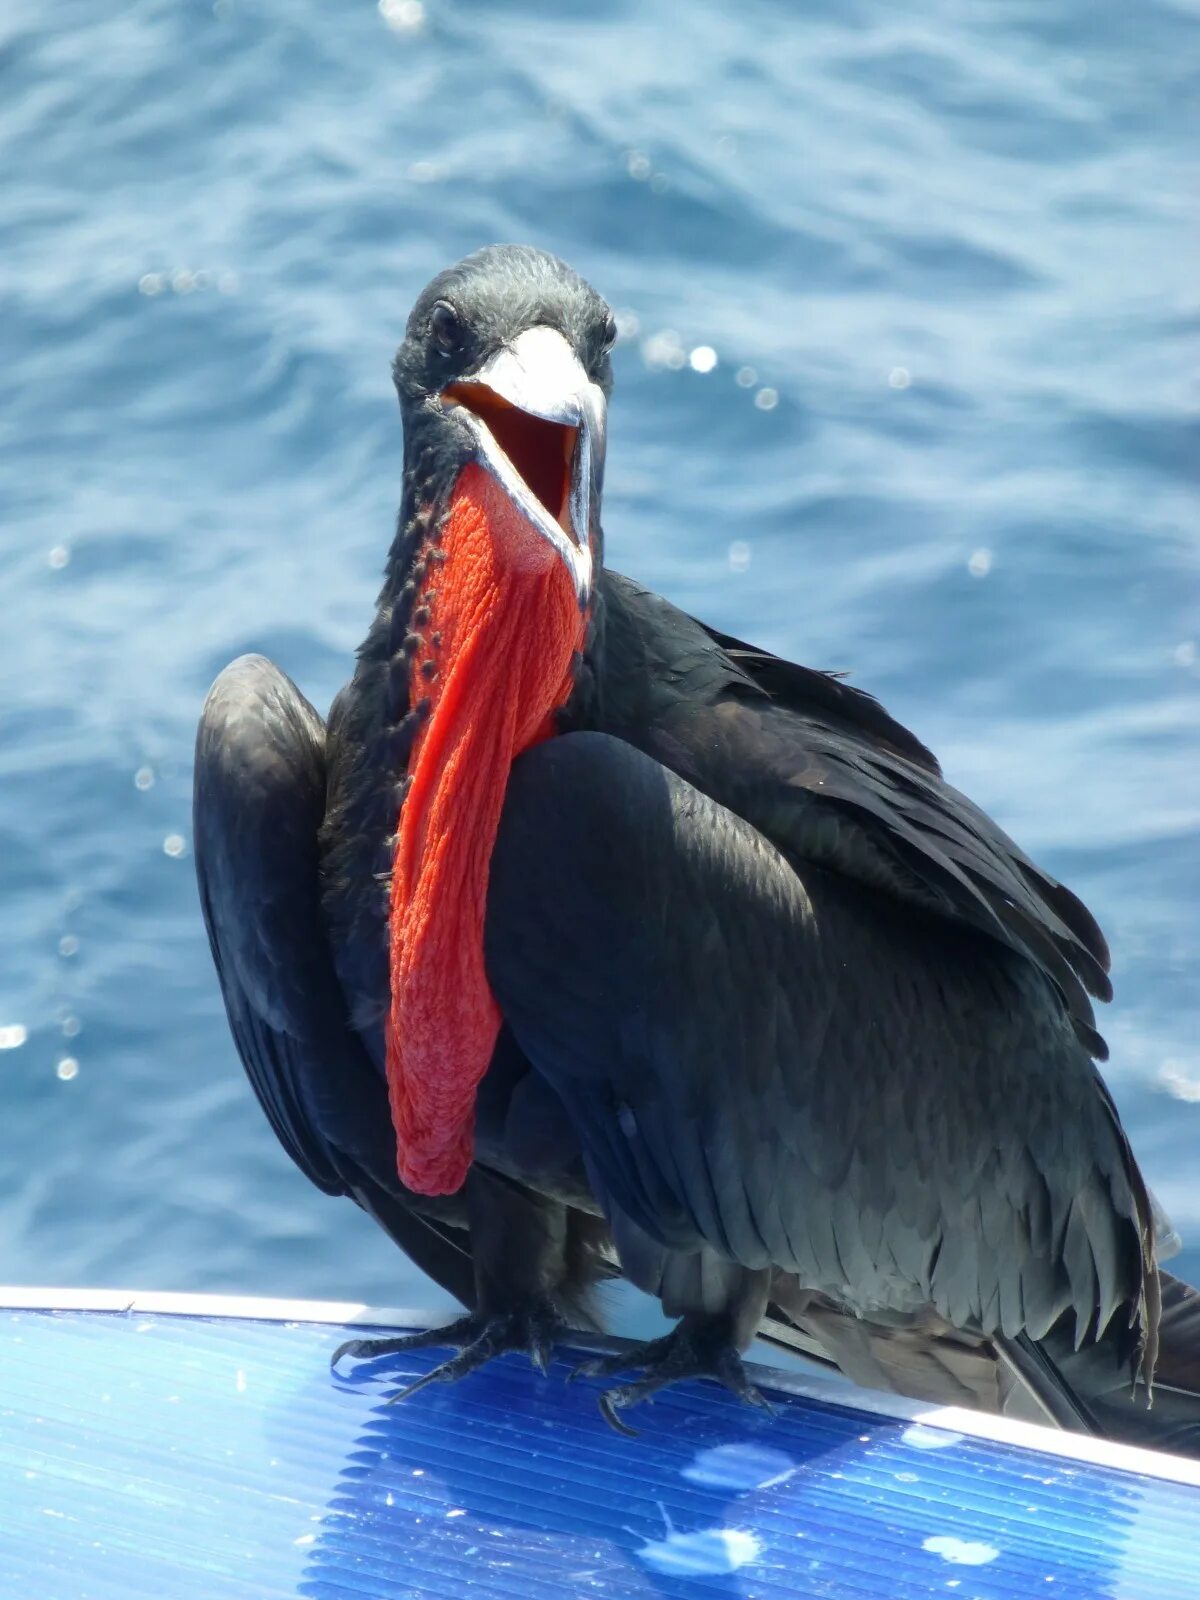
[(954, 1419)]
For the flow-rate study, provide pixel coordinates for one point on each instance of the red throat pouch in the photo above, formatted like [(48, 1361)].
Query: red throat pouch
[(495, 663)]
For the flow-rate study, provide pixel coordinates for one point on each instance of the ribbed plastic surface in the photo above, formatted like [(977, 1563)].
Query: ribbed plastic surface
[(186, 1459)]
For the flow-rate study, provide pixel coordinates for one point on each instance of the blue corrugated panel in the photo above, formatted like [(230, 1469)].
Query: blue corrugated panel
[(188, 1459)]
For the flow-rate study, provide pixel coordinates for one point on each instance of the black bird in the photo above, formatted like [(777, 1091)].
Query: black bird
[(583, 937)]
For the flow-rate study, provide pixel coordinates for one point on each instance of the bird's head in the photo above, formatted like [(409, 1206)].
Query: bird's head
[(503, 379), (505, 364)]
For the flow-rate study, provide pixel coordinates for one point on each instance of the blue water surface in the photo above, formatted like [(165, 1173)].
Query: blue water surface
[(906, 386)]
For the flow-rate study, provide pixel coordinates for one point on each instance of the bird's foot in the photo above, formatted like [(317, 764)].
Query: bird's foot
[(478, 1337), (691, 1350)]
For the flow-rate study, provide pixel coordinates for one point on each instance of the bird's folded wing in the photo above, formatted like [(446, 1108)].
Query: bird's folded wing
[(794, 1070), (825, 773), (259, 799), (259, 795), (822, 770)]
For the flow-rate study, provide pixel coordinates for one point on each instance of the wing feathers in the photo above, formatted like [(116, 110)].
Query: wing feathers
[(789, 1068), (825, 773)]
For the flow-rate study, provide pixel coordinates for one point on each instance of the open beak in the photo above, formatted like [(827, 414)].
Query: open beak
[(538, 422)]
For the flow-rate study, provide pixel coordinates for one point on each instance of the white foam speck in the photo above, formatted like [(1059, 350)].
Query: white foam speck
[(403, 16), (979, 562), (1174, 1078)]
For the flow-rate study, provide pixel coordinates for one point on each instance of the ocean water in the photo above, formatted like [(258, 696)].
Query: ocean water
[(906, 386)]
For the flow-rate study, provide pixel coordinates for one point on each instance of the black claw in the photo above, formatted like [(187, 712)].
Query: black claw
[(372, 1349), (365, 1349), (730, 1372), (608, 1410), (433, 1376), (468, 1360)]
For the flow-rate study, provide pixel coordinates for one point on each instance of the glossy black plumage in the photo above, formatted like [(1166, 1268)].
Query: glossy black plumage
[(787, 1017), (259, 801)]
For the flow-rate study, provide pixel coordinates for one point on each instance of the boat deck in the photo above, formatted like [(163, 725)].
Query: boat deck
[(192, 1449)]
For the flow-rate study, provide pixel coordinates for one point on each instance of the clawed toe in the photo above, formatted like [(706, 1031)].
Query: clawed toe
[(478, 1338), (691, 1350), (373, 1349), (638, 1355), (686, 1353), (613, 1401), (466, 1361)]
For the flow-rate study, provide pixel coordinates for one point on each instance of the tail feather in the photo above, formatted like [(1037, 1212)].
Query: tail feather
[(1165, 1416), (1089, 1390)]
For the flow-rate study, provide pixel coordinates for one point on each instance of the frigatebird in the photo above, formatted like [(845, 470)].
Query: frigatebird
[(583, 938)]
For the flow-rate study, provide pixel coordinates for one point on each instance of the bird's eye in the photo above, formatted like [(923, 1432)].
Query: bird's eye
[(445, 328), (608, 336)]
